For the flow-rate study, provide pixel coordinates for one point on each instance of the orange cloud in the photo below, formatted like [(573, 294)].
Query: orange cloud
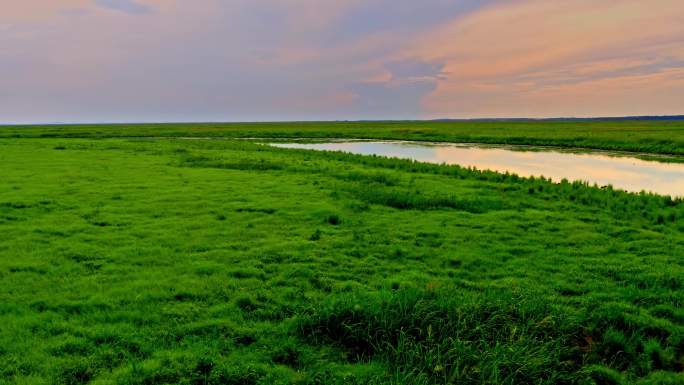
[(510, 59)]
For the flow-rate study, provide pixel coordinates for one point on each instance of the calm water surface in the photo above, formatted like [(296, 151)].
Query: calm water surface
[(620, 171)]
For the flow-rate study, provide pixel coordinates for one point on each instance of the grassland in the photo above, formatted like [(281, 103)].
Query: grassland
[(133, 261), (663, 137)]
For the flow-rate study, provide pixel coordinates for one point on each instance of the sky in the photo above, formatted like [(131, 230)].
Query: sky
[(265, 60)]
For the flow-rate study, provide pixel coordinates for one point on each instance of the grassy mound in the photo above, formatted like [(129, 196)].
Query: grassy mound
[(452, 336)]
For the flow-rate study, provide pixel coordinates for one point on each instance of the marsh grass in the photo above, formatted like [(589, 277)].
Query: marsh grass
[(222, 262), (453, 336), (660, 136), (407, 199)]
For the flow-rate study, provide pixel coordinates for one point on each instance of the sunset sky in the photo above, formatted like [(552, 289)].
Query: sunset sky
[(245, 60)]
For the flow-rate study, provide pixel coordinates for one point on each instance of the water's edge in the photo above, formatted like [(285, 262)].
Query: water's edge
[(621, 170)]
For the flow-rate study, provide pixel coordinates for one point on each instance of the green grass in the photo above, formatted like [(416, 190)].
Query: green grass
[(663, 137), (127, 261)]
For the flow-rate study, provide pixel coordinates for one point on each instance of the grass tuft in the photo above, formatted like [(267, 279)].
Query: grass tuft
[(451, 336)]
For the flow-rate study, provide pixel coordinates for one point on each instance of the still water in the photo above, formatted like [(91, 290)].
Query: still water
[(619, 170)]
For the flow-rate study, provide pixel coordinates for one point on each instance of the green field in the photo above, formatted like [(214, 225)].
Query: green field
[(170, 261), (664, 137)]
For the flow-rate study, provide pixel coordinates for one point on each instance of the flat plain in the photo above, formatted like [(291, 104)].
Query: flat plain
[(663, 137), (130, 256)]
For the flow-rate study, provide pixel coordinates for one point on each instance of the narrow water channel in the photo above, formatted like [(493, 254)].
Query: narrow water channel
[(619, 170)]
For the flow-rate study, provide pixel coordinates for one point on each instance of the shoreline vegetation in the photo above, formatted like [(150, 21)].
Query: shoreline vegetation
[(129, 261), (645, 136)]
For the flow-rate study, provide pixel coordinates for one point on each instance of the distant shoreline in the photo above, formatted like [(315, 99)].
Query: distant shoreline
[(560, 119)]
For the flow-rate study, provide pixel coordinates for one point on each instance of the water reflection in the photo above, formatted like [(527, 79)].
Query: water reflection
[(623, 172)]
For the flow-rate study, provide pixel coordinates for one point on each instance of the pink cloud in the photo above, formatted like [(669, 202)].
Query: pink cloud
[(542, 58), (27, 10)]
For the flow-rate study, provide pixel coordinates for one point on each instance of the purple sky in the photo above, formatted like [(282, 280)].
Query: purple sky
[(238, 60)]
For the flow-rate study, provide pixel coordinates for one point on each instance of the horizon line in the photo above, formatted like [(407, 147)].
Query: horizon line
[(674, 117)]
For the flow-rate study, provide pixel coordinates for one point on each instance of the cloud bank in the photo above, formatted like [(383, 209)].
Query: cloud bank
[(217, 60), (127, 6)]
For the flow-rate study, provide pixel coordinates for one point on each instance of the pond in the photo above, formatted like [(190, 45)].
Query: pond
[(622, 171)]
